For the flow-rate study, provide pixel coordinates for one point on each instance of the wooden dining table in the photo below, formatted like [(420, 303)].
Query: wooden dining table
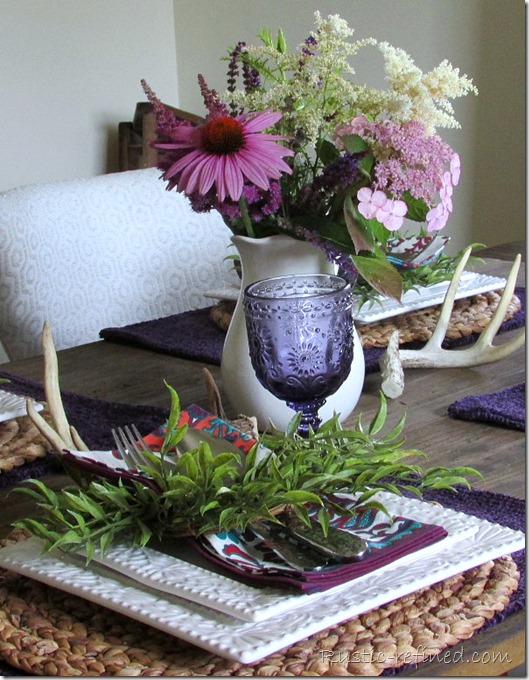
[(123, 373)]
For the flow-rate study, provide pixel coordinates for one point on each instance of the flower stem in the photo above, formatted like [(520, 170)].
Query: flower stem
[(246, 217)]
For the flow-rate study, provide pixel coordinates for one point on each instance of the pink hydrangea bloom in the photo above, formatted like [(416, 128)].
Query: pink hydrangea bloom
[(375, 204), (407, 159), (392, 214), (437, 217), (446, 191), (455, 168), (370, 202)]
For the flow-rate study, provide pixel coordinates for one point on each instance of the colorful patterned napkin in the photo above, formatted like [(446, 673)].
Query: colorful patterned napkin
[(388, 539), (193, 335), (109, 464), (506, 408)]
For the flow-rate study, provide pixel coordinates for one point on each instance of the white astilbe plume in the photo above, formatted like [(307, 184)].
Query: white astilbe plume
[(415, 95), (310, 91)]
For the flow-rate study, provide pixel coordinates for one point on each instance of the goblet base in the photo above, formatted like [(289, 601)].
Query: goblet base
[(310, 419)]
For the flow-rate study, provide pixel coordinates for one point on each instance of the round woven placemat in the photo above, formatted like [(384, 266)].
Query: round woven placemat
[(21, 442), (44, 631), (469, 315)]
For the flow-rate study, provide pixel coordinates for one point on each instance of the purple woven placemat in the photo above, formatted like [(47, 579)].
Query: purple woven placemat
[(193, 335), (93, 418), (505, 407)]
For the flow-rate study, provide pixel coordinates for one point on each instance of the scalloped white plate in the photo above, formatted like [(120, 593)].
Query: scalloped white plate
[(471, 283), (13, 406), (247, 641)]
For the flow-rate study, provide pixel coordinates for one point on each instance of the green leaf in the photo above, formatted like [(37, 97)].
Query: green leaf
[(265, 35), (281, 44), (84, 503), (188, 463), (300, 511), (365, 165), (209, 506), (417, 208), (354, 144), (324, 520), (327, 152), (45, 492), (174, 417), (90, 550), (293, 424), (358, 227), (380, 274), (105, 541), (300, 497), (380, 417), (81, 523), (70, 538), (33, 526), (143, 533)]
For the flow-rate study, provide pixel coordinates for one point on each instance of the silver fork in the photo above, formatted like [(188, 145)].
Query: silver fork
[(132, 447)]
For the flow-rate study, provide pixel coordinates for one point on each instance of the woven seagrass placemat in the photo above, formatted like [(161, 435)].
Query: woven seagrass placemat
[(469, 315), (44, 631), (21, 442)]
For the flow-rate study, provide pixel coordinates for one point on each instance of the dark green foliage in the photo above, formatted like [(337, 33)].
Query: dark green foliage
[(209, 493)]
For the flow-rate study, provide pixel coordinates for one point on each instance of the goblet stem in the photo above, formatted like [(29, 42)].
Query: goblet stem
[(309, 415)]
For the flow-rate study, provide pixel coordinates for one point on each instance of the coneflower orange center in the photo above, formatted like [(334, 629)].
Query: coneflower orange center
[(222, 136)]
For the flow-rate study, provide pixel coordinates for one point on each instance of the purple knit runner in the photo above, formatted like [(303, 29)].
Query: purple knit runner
[(506, 407), (193, 335), (93, 418)]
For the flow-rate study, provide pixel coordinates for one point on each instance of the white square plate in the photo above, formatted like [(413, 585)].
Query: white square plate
[(13, 406), (247, 641), (384, 308)]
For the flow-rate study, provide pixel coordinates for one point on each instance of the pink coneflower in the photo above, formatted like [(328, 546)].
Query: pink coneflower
[(225, 151)]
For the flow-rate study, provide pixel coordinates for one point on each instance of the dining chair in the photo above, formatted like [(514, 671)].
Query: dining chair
[(109, 250)]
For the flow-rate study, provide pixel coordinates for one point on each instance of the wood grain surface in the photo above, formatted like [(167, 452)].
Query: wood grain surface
[(120, 373)]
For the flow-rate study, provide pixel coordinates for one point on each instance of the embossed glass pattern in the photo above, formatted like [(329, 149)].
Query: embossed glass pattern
[(300, 335)]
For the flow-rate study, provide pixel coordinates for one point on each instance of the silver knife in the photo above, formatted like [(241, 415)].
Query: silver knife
[(292, 553)]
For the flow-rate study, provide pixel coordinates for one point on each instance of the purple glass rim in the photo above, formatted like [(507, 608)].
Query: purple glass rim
[(342, 286)]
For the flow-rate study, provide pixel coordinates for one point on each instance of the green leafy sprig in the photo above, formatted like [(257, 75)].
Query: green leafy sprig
[(442, 269), (212, 493)]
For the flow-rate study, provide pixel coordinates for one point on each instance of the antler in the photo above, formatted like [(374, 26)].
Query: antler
[(432, 355), (62, 435)]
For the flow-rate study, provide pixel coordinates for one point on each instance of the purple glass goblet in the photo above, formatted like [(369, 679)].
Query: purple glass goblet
[(300, 336)]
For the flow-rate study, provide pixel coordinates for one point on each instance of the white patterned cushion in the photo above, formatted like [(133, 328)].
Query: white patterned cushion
[(106, 251)]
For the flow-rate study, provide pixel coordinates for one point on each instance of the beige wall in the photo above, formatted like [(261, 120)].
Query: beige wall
[(499, 202), (484, 38), (71, 71)]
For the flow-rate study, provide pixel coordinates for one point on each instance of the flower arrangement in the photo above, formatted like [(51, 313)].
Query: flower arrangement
[(299, 148)]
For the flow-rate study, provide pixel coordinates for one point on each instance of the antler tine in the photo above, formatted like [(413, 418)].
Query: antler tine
[(42, 426), (432, 355), (51, 387), (490, 331), (439, 333), (62, 435)]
